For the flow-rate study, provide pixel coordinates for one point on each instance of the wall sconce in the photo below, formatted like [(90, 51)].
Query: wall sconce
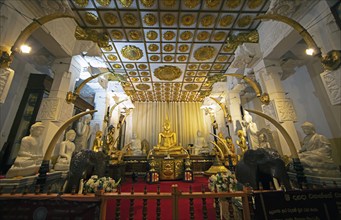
[(72, 96), (330, 61)]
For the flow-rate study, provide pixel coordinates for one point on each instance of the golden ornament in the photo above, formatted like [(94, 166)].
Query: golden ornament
[(135, 35), (108, 48), (252, 4), (110, 18), (135, 79), (205, 66), (193, 67), (200, 79), (168, 35), (117, 66), (203, 35), (152, 35), (143, 66), (189, 79), (188, 19), (217, 66), (169, 3), (132, 52), (167, 72), (153, 47), (82, 3), (202, 73), (191, 87), (144, 73), (168, 47), (126, 3), (133, 73), (186, 35), (233, 3), (103, 3), (91, 18), (182, 58), (192, 3), (207, 20), (129, 66), (112, 57), (150, 19), (168, 19), (143, 86), (154, 58), (212, 3), (129, 19), (218, 36), (183, 48), (145, 79), (148, 3), (204, 53), (222, 58), (191, 73), (117, 35), (244, 21), (168, 58), (226, 20)]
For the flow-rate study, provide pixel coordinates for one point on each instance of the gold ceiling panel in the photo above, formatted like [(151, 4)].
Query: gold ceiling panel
[(171, 46)]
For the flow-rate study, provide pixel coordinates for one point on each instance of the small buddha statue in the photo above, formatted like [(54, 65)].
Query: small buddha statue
[(167, 141), (242, 141), (66, 149), (98, 142)]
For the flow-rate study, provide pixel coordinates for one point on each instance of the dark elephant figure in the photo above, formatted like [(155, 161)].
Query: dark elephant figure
[(84, 164), (262, 165)]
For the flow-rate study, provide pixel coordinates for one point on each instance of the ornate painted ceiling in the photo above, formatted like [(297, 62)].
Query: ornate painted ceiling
[(168, 50)]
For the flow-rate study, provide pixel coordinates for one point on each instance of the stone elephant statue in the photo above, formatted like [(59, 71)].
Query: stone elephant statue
[(262, 165), (83, 164)]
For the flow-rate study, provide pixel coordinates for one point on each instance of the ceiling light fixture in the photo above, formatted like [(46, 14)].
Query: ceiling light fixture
[(25, 49)]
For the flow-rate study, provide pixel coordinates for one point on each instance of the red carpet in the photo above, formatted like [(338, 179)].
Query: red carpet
[(166, 205)]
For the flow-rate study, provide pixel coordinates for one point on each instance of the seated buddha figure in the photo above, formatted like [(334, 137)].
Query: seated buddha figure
[(167, 141)]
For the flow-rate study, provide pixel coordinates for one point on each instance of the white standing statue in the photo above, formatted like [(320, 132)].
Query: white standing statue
[(136, 145), (65, 153), (83, 132), (30, 154), (251, 130), (316, 154), (200, 145)]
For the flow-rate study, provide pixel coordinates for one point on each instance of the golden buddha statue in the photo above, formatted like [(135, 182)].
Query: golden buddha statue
[(167, 141), (242, 141)]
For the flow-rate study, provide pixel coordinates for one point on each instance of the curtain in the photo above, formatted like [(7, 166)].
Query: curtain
[(186, 119)]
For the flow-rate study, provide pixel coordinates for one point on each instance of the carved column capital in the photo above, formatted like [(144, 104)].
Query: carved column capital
[(246, 55)]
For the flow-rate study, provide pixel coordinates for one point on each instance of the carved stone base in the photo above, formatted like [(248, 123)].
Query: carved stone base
[(20, 172)]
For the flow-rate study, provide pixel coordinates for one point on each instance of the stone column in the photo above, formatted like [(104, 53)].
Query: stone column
[(54, 110), (281, 108), (234, 103)]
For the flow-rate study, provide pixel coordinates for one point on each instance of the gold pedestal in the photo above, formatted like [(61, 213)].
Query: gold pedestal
[(170, 167), (217, 167)]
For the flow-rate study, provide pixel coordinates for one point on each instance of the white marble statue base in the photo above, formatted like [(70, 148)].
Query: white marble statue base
[(24, 171)]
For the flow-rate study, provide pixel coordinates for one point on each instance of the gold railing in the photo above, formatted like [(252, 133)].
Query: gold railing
[(175, 195)]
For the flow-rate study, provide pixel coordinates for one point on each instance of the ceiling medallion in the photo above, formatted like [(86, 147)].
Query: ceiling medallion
[(233, 3), (244, 21), (219, 36), (167, 72), (110, 18), (147, 3), (129, 66), (168, 58), (135, 79), (192, 3), (112, 57), (168, 35), (143, 86), (143, 66), (193, 67), (191, 73), (117, 35), (151, 35), (157, 84), (191, 87), (154, 58), (189, 79), (153, 47), (202, 73), (222, 58), (226, 20), (252, 4), (91, 18), (135, 35), (183, 48), (226, 48), (144, 73), (145, 79), (205, 66), (150, 19), (212, 3), (133, 73), (199, 79), (103, 3), (169, 3), (182, 58), (132, 52), (203, 35), (186, 35), (117, 66), (204, 53), (207, 20), (168, 47), (82, 3), (217, 66), (168, 19), (108, 48), (126, 3), (129, 19), (188, 19)]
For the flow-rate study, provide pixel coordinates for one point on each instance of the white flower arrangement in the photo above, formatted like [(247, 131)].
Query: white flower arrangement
[(106, 184), (222, 182)]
